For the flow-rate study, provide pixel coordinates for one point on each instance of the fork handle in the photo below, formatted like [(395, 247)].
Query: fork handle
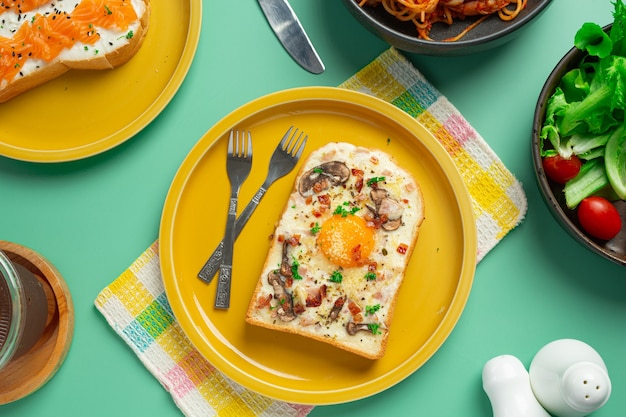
[(222, 296), (211, 266)]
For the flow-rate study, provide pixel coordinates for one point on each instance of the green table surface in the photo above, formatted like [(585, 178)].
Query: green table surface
[(92, 218)]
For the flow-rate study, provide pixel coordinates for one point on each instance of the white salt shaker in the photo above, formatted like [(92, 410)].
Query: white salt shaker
[(569, 378), (507, 384)]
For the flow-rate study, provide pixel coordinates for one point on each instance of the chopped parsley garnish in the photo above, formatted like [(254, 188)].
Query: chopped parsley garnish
[(375, 180), (370, 276), (108, 11), (336, 277), (318, 170), (294, 269), (372, 309), (316, 228), (374, 328), (130, 34), (343, 211)]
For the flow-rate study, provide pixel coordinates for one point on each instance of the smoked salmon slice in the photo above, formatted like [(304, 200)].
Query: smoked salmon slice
[(21, 6), (105, 13)]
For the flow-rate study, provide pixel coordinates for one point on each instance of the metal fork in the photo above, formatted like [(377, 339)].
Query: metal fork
[(283, 160), (238, 165)]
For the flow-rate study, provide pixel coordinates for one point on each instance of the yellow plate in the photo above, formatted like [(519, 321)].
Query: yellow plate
[(290, 367), (83, 113)]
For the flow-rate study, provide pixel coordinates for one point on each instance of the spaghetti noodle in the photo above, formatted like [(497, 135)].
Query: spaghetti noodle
[(424, 13)]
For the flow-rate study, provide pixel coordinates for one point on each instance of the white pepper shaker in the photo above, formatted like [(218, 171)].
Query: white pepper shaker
[(569, 378), (507, 384)]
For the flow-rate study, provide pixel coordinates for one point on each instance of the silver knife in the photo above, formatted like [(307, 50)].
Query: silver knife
[(291, 34)]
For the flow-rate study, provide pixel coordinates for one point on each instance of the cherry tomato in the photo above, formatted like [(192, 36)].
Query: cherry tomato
[(599, 217), (560, 169)]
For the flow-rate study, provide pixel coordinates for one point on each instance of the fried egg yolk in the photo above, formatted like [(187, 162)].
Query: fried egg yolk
[(346, 241)]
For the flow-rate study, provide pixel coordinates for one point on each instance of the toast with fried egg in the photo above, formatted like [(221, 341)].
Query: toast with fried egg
[(42, 39), (340, 250)]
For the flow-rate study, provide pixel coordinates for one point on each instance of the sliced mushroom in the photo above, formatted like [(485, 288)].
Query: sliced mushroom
[(323, 176), (391, 225), (387, 209), (337, 306), (378, 195), (285, 266), (284, 309), (353, 328), (391, 210)]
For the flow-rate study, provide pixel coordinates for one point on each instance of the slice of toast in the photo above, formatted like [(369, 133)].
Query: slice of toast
[(43, 43), (340, 250)]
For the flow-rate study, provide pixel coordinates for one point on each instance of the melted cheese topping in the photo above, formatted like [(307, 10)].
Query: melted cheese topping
[(325, 265)]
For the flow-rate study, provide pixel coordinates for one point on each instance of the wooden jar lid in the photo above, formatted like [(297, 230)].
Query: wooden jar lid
[(31, 371)]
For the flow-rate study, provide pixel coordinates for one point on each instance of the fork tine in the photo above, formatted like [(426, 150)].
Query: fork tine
[(300, 147), (230, 142), (293, 148), (249, 154), (283, 141), (293, 142), (237, 145), (290, 143)]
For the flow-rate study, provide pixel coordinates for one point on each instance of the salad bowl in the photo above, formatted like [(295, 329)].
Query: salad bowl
[(569, 216)]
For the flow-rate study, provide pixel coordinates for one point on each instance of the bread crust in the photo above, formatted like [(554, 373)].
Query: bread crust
[(112, 59), (372, 348)]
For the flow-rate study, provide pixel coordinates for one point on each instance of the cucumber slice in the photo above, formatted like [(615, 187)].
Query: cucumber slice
[(591, 179), (615, 162)]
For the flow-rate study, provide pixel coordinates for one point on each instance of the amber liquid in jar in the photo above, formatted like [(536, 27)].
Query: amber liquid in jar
[(23, 310)]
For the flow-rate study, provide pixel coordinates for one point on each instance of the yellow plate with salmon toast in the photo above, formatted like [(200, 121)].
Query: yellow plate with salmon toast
[(84, 113), (286, 366)]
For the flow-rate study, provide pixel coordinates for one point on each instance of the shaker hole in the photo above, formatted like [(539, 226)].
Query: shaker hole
[(585, 382)]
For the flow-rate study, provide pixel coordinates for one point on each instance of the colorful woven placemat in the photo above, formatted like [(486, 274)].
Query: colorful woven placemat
[(136, 307), (499, 200)]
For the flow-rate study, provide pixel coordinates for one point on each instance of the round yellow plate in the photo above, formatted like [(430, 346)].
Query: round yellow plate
[(83, 113), (289, 367)]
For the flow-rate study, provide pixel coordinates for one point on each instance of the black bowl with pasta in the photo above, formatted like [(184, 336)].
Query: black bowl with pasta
[(491, 31)]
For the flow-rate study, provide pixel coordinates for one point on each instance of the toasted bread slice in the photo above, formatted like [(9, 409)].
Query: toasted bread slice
[(340, 250)]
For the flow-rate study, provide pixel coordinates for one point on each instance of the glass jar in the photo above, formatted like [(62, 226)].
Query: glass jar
[(23, 310)]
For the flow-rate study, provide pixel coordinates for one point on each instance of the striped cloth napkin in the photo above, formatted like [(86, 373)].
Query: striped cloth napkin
[(136, 307)]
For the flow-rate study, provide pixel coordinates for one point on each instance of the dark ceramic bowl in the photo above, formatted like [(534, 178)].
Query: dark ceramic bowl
[(614, 249), (403, 35)]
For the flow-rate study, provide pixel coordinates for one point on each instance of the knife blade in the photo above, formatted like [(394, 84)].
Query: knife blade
[(291, 34)]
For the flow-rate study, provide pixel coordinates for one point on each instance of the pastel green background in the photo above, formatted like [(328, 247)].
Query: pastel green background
[(93, 217)]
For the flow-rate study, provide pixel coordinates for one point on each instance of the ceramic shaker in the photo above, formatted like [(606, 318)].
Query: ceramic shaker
[(569, 378), (507, 384)]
